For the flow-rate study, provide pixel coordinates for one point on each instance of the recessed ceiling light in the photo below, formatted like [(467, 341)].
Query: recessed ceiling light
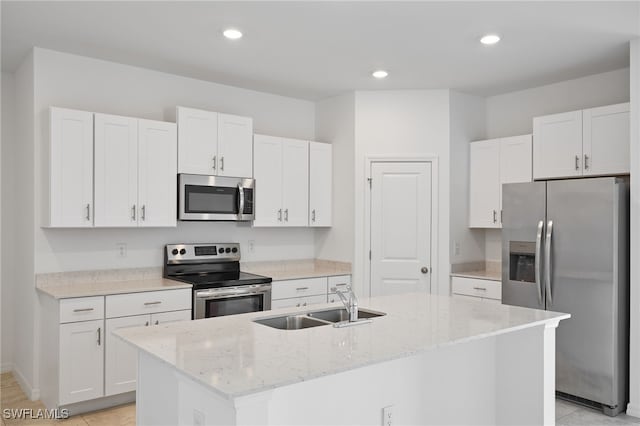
[(232, 34), (380, 74), (490, 39)]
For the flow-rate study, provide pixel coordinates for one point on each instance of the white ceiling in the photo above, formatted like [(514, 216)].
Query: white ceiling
[(314, 50)]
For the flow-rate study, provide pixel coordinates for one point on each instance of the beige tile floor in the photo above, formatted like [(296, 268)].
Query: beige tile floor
[(11, 396)]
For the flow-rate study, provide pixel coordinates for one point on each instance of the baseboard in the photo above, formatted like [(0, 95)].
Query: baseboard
[(633, 410), (6, 367), (100, 403), (32, 393)]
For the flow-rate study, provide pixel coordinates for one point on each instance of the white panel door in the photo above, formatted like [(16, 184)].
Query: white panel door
[(515, 162), (267, 171), (70, 169), (606, 140), (484, 184), (295, 182), (235, 146), (157, 171), (400, 227), (81, 361), (557, 145), (320, 184), (121, 364), (168, 317), (116, 171), (197, 141)]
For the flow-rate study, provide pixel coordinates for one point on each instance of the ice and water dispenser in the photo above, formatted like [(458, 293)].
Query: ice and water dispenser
[(522, 261)]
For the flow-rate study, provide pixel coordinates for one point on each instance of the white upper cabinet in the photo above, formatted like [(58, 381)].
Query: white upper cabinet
[(116, 171), (320, 184), (210, 143), (295, 182), (493, 163), (582, 143), (235, 145), (197, 141), (69, 200), (484, 186), (605, 140), (267, 171), (157, 169), (557, 145)]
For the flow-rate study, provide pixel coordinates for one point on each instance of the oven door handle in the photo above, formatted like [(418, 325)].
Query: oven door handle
[(240, 199)]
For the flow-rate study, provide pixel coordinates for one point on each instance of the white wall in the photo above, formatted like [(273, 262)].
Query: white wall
[(467, 123), (511, 114), (396, 123), (89, 84), (335, 123)]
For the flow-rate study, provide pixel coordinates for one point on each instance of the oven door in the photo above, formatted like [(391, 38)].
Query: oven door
[(217, 302), (215, 198)]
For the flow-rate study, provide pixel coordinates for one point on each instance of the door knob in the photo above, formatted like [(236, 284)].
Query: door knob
[(424, 270)]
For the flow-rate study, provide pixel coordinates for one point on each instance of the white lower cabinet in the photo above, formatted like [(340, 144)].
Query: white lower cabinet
[(167, 317), (120, 368), (81, 361), (298, 302), (307, 291), (475, 287)]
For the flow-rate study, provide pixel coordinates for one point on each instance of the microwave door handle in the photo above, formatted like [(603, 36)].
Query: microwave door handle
[(537, 270), (240, 200)]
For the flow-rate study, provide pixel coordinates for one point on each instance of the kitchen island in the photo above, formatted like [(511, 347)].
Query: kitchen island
[(429, 360)]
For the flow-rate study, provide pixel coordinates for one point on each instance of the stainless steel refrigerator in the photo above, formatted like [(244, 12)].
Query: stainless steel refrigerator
[(565, 248)]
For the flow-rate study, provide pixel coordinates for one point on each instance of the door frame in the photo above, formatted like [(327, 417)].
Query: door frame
[(415, 158)]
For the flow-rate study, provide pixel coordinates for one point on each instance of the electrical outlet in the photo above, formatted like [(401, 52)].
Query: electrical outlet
[(198, 418), (252, 245), (122, 249), (387, 415), (456, 248)]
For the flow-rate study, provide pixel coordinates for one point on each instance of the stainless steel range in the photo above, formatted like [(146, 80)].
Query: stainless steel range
[(219, 287)]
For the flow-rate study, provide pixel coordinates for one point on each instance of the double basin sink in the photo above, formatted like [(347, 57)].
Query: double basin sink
[(336, 317)]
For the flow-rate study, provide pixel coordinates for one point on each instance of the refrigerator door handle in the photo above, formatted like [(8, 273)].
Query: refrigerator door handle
[(547, 262), (537, 271)]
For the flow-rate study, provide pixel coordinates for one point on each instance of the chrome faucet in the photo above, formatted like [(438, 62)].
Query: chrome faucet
[(351, 302)]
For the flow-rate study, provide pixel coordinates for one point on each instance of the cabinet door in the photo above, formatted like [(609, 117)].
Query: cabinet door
[(157, 169), (121, 363), (515, 162), (70, 169), (557, 145), (606, 140), (320, 184), (116, 171), (295, 182), (197, 141), (81, 361), (235, 146), (267, 171), (484, 185), (167, 317), (298, 302)]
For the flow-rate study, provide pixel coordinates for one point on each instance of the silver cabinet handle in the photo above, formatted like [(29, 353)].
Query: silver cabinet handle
[(144, 212), (537, 271), (547, 262), (157, 322), (480, 288), (577, 162), (222, 163), (302, 288), (99, 336), (313, 215), (83, 310), (495, 216), (340, 285), (298, 305), (133, 212), (500, 216), (240, 199), (88, 211), (152, 303), (214, 161), (280, 215), (286, 215), (586, 162), (304, 304), (146, 324)]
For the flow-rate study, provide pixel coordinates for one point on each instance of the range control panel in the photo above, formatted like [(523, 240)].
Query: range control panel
[(176, 253)]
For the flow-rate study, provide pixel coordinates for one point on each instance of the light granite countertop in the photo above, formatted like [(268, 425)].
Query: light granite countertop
[(234, 356), (487, 270), (295, 269), (480, 274)]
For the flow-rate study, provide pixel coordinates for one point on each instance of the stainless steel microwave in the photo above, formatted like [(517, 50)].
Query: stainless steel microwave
[(202, 197)]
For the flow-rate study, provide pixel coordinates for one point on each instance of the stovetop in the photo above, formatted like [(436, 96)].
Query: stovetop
[(221, 279)]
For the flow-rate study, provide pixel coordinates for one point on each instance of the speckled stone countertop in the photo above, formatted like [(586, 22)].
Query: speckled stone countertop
[(480, 270), (234, 356), (294, 269), (66, 285)]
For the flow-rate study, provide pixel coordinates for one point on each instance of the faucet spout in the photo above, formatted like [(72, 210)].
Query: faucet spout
[(350, 302)]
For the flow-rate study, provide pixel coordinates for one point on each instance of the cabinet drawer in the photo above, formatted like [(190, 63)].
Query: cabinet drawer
[(340, 282), (81, 309), (166, 317), (122, 305), (475, 287), (298, 288), (298, 302)]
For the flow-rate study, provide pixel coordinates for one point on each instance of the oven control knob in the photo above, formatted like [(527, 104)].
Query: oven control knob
[(234, 250), (220, 250), (174, 252), (227, 250), (182, 251)]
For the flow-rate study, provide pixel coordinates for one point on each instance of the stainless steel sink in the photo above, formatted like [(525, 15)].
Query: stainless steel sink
[(339, 315), (291, 322)]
